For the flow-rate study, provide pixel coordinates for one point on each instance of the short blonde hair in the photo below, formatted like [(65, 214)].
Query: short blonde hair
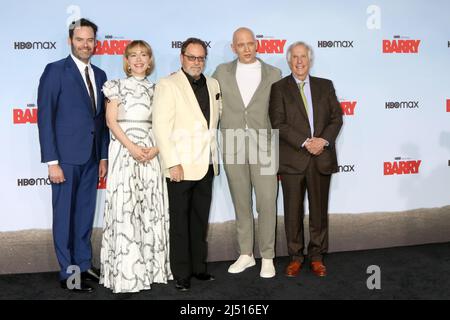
[(134, 44)]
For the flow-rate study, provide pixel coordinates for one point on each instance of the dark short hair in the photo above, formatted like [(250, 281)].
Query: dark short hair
[(82, 23), (193, 41)]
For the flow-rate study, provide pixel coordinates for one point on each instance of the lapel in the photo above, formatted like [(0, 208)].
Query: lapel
[(98, 85), (315, 96), (212, 101), (295, 92), (75, 73), (233, 82), (262, 84), (189, 96)]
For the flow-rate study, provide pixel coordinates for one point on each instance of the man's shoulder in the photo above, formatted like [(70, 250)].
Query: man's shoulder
[(210, 80), (283, 81), (174, 80), (56, 65), (270, 68), (170, 79), (318, 79), (321, 81), (53, 70), (97, 69), (224, 67)]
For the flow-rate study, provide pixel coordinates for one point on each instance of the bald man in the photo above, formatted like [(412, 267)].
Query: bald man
[(245, 84)]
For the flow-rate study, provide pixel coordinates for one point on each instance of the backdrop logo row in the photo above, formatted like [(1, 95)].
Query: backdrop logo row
[(401, 166), (29, 114), (111, 45)]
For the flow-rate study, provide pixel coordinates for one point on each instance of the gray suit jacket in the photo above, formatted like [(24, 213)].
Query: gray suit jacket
[(234, 114)]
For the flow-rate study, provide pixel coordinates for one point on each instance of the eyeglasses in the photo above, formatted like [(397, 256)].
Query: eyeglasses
[(193, 58)]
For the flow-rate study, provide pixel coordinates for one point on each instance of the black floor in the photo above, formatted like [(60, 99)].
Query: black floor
[(419, 272)]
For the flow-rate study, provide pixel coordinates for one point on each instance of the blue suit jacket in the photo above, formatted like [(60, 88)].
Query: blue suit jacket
[(67, 125)]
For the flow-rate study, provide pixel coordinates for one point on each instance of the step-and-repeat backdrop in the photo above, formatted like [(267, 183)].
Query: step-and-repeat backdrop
[(389, 61)]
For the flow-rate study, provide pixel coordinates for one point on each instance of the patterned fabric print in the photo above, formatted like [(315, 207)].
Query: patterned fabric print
[(135, 243)]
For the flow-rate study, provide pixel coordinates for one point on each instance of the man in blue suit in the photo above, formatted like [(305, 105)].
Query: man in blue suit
[(74, 143)]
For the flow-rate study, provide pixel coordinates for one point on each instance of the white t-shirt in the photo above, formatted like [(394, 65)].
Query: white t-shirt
[(248, 77)]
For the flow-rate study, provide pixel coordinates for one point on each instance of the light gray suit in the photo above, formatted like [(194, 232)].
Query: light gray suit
[(236, 119)]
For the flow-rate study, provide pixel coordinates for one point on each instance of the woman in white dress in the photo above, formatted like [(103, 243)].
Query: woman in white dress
[(135, 243)]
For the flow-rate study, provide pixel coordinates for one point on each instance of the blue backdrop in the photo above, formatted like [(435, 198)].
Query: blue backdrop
[(389, 61)]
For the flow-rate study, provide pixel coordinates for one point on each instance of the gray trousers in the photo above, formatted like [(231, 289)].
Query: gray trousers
[(242, 179)]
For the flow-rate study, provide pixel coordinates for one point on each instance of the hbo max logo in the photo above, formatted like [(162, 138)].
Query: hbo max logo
[(37, 45), (335, 44)]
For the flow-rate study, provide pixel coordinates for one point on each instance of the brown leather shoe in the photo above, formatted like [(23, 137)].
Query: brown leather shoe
[(293, 268), (318, 268)]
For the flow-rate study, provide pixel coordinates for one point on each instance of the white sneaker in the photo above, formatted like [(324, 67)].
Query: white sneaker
[(243, 262), (267, 268)]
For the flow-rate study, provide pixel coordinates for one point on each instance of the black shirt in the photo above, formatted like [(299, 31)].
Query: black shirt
[(201, 93)]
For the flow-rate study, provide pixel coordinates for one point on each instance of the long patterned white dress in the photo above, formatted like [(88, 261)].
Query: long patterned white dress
[(135, 242)]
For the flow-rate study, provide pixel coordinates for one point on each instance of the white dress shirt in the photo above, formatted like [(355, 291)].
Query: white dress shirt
[(307, 91), (308, 96), (82, 66)]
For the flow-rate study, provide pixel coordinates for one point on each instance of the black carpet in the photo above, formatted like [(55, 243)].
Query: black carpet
[(418, 272)]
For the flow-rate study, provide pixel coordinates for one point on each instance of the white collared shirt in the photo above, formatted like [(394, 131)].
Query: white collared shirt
[(307, 91), (81, 66)]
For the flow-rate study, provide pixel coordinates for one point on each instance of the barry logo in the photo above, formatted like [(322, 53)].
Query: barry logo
[(401, 45), (101, 184), (111, 46), (269, 45), (401, 166), (23, 116), (348, 107)]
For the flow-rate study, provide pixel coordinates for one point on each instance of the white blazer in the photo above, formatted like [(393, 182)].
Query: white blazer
[(180, 128)]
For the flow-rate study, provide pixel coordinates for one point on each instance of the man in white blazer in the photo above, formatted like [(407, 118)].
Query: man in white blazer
[(185, 119)]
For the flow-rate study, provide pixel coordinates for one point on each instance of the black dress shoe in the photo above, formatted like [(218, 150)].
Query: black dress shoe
[(91, 274), (204, 276), (84, 288), (182, 284)]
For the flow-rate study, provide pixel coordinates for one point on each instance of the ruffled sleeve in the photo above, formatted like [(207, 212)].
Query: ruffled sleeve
[(111, 89)]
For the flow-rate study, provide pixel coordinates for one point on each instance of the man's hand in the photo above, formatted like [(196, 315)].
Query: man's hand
[(176, 173), (56, 174), (315, 145), (102, 168)]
